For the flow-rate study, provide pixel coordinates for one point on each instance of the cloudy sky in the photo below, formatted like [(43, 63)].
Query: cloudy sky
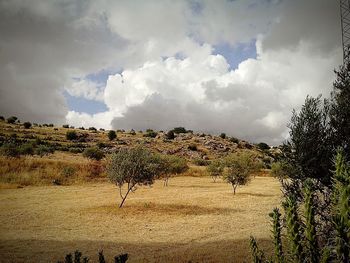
[(238, 67)]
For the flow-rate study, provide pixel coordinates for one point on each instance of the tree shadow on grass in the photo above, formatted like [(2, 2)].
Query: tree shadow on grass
[(255, 194), (33, 250), (159, 209)]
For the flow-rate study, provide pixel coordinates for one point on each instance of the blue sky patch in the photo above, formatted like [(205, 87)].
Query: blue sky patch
[(237, 53), (80, 104)]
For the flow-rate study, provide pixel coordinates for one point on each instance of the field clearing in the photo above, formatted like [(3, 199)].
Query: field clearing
[(191, 219)]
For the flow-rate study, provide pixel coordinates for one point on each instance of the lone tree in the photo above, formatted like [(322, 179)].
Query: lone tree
[(216, 168), (112, 135), (136, 166), (71, 135), (240, 168), (27, 125)]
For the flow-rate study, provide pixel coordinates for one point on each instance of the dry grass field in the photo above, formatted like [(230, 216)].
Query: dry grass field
[(193, 219)]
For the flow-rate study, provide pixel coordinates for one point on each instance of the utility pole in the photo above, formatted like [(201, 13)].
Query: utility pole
[(345, 24)]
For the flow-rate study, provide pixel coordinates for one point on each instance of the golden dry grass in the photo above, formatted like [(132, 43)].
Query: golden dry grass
[(33, 170), (191, 219)]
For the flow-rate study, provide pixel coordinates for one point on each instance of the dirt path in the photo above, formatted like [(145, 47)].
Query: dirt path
[(192, 219)]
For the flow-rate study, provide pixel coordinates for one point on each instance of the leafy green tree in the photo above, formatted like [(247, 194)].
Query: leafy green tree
[(216, 168), (263, 146), (240, 168), (112, 135), (170, 165), (132, 167), (223, 135), (170, 135)]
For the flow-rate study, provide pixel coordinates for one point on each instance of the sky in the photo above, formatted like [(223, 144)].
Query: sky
[(238, 67)]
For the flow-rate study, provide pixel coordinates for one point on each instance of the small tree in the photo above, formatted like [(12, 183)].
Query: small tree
[(112, 135), (171, 165), (71, 135), (215, 169), (240, 168), (135, 166), (27, 125)]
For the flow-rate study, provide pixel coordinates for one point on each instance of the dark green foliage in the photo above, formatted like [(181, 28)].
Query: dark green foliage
[(71, 135), (276, 233), (258, 255), (93, 153), (9, 150), (50, 125), (65, 126), (200, 162), (112, 135), (27, 125), (340, 109), (11, 119), (263, 146), (68, 171), (122, 258), (234, 140), (180, 130), (223, 135), (170, 135), (192, 147), (135, 166), (310, 224), (26, 149), (2, 118), (92, 129), (43, 150), (303, 241), (150, 133)]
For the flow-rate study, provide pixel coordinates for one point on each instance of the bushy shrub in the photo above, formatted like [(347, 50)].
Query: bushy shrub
[(26, 149), (192, 147), (27, 125), (200, 162), (234, 140), (263, 146), (78, 258), (179, 130), (132, 132), (66, 126), (12, 119), (2, 118), (112, 135), (71, 135), (43, 150), (75, 150), (9, 150), (93, 153), (92, 129), (170, 135), (223, 135), (68, 171), (150, 133)]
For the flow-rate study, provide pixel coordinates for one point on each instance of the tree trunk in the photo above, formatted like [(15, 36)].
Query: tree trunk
[(121, 204), (234, 189)]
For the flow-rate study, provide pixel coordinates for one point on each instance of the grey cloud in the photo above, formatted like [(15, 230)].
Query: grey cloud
[(315, 21)]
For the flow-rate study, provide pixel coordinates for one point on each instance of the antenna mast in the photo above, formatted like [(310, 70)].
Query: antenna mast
[(345, 24)]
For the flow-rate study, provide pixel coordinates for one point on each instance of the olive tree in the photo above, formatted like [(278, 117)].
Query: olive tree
[(171, 165), (216, 168), (132, 167), (239, 169)]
